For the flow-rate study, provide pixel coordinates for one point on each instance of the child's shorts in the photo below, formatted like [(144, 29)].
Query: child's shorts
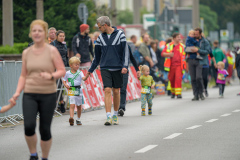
[(77, 100)]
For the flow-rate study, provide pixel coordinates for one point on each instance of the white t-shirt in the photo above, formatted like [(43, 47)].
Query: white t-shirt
[(74, 79)]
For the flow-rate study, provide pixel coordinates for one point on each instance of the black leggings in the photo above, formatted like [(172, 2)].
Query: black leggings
[(45, 105), (221, 88), (205, 73)]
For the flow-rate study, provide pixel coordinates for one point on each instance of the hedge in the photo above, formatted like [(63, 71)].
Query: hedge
[(16, 49)]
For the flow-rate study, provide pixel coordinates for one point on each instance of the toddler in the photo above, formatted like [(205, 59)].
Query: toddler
[(221, 78)]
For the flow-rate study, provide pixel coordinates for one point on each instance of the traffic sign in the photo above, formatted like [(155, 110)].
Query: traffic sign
[(83, 12), (224, 35)]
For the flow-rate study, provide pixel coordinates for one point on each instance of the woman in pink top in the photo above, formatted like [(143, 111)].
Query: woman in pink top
[(221, 78), (41, 66)]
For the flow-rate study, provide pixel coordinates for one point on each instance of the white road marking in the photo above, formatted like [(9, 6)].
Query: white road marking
[(145, 149), (237, 110), (173, 136), (194, 127), (225, 115), (211, 120)]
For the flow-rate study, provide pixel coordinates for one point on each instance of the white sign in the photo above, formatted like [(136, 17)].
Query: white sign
[(224, 35), (148, 20)]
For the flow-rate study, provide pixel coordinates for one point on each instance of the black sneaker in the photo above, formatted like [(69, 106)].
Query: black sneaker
[(63, 107), (195, 98), (201, 97), (206, 93), (179, 96), (173, 96), (121, 112), (33, 158)]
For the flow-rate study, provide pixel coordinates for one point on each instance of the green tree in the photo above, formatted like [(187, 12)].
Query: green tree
[(210, 19), (143, 11), (125, 16)]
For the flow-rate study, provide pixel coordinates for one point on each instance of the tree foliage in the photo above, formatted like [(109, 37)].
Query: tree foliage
[(125, 17)]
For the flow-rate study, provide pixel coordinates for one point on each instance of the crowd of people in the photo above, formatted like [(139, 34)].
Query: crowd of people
[(42, 64)]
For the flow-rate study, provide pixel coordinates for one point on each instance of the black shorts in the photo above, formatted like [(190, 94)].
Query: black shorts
[(112, 79)]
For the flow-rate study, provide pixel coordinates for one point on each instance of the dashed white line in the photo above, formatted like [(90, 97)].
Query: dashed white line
[(225, 115), (237, 110), (145, 149), (211, 120), (194, 127), (173, 136)]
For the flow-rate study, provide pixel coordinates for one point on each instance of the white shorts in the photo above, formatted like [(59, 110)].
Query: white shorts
[(77, 100)]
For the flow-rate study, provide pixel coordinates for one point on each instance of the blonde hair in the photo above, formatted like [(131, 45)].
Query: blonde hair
[(52, 28), (143, 67), (41, 23), (74, 60), (221, 63), (190, 32)]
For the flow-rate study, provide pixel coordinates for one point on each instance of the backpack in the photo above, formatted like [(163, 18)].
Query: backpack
[(138, 57)]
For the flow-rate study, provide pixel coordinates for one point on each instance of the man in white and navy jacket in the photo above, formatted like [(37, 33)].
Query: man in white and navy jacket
[(111, 51)]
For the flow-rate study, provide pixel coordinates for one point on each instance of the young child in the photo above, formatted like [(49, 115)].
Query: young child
[(191, 42), (147, 83), (221, 78), (74, 78), (7, 107)]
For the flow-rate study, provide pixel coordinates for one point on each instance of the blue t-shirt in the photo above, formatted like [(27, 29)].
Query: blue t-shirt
[(194, 55)]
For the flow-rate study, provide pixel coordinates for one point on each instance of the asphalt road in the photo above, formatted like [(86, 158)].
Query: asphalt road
[(177, 130)]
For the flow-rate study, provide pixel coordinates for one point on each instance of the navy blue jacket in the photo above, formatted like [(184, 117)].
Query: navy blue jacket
[(112, 53), (191, 41)]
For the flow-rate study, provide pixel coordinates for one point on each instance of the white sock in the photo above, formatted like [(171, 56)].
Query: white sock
[(109, 114), (78, 118), (115, 113)]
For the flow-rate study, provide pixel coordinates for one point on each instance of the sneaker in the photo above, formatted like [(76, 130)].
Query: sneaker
[(143, 113), (201, 97), (33, 158), (195, 98), (206, 93), (71, 121), (108, 121), (78, 122), (115, 120), (173, 96), (120, 112), (220, 96), (149, 111), (179, 96), (199, 57)]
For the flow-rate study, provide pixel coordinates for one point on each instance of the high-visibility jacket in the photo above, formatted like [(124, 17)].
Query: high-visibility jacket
[(167, 62)]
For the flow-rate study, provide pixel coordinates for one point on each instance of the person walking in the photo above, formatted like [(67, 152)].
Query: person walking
[(175, 51), (82, 45), (195, 65), (112, 52), (221, 77), (41, 66), (61, 46)]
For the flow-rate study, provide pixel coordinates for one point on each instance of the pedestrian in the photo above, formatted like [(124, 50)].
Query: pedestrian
[(230, 66), (7, 107), (147, 84), (72, 81), (219, 56), (175, 51), (132, 42), (123, 90), (237, 62), (82, 46), (191, 41), (221, 77), (52, 34), (145, 52), (112, 52), (195, 65), (41, 66)]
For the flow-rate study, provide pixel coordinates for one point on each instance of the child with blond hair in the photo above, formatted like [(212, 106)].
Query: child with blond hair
[(191, 42), (147, 84), (221, 77), (72, 81)]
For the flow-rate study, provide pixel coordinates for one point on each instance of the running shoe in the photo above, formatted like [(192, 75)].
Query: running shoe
[(78, 122), (220, 96), (33, 158), (115, 120), (201, 97), (143, 113), (173, 96), (108, 122), (120, 112), (179, 96), (149, 111), (71, 121), (206, 93)]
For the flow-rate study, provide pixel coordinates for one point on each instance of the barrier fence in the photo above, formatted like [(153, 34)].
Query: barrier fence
[(93, 94)]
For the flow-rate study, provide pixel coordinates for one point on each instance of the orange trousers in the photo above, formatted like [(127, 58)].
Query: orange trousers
[(175, 78)]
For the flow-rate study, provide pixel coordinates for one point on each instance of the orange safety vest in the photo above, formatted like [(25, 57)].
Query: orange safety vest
[(167, 62)]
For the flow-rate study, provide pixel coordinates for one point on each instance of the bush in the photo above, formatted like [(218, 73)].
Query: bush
[(16, 49)]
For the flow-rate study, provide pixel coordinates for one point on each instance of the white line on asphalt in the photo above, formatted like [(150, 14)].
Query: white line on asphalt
[(194, 127), (237, 110), (173, 136), (145, 149), (225, 115), (212, 120)]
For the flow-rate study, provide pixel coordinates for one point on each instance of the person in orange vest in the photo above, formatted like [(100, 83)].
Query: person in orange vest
[(176, 64)]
